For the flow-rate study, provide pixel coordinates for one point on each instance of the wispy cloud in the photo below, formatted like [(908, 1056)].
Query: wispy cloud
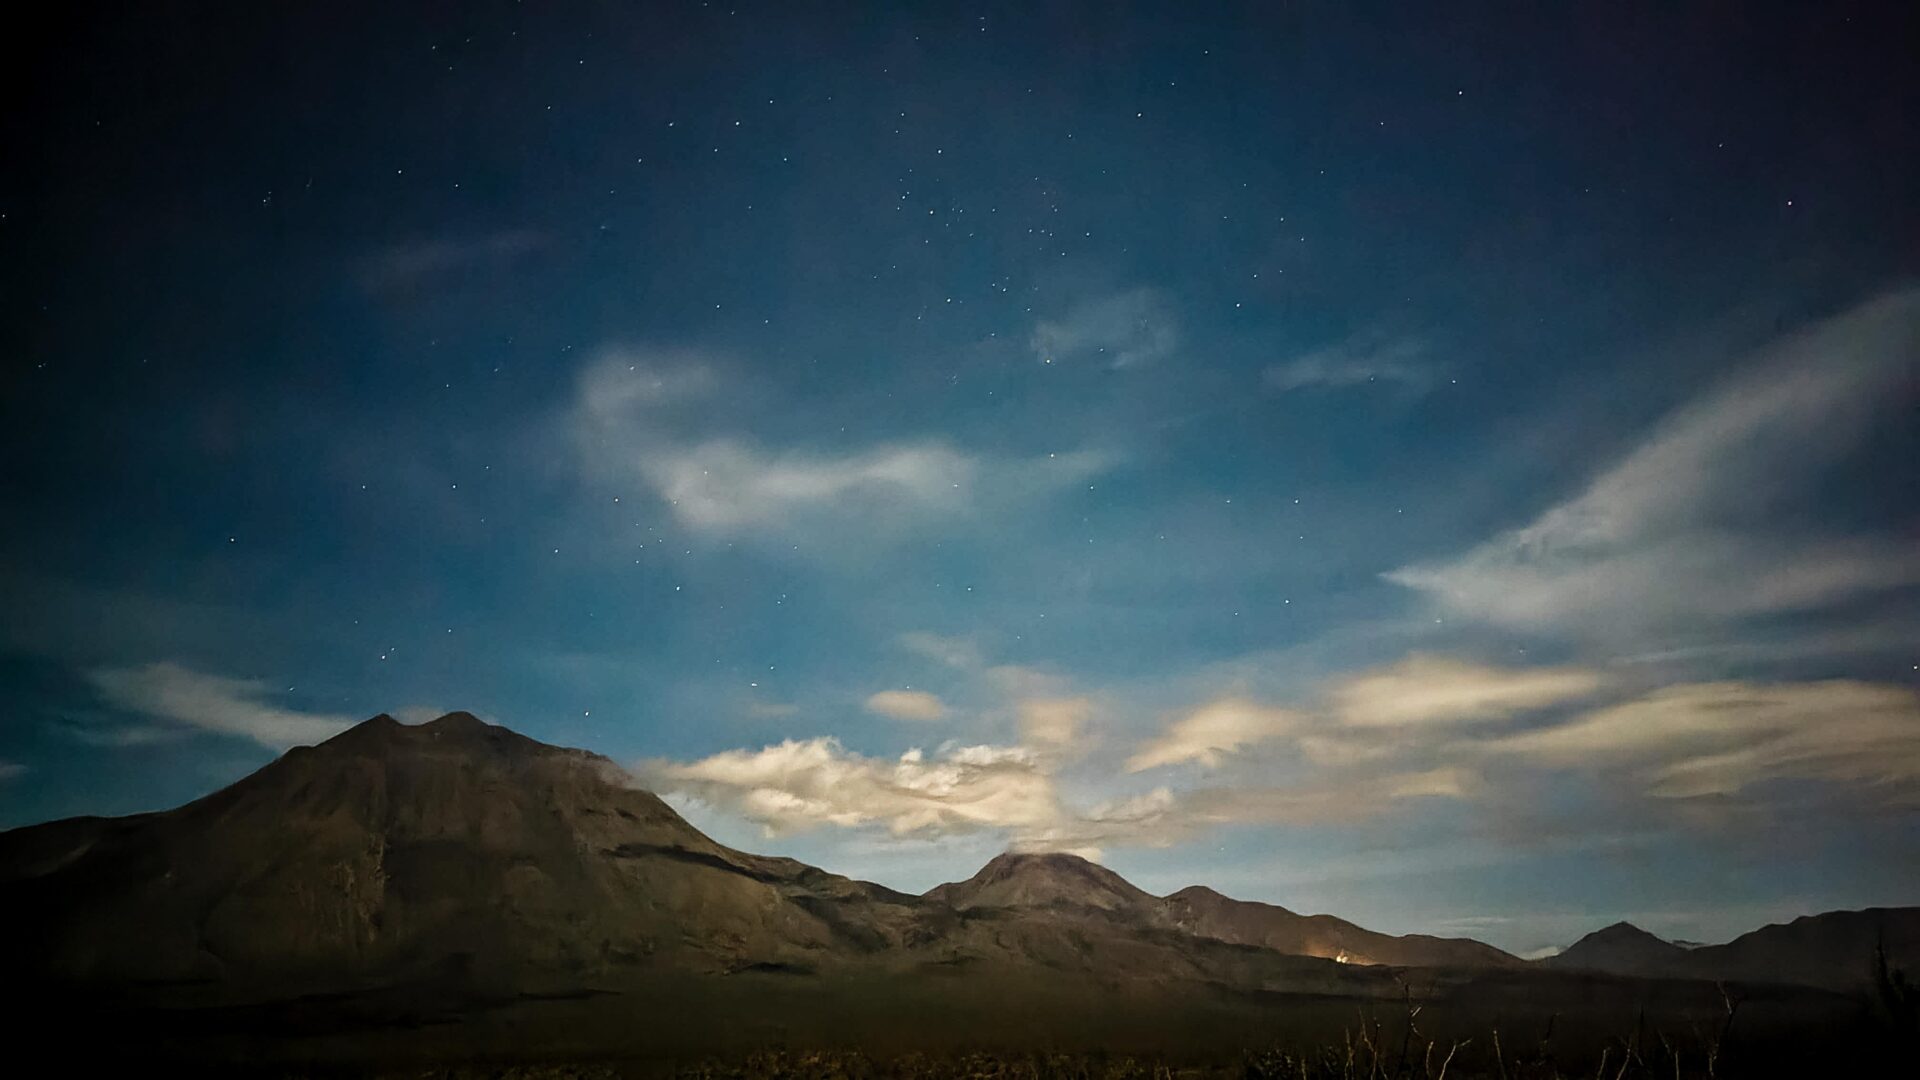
[(1691, 526), (11, 769), (641, 419), (1367, 359), (213, 703), (907, 705), (1437, 690), (1721, 738), (1429, 727), (1126, 329), (1212, 731)]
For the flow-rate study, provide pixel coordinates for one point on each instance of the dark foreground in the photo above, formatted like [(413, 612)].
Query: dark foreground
[(1509, 1025)]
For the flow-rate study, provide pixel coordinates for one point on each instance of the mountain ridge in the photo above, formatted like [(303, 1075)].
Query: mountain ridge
[(391, 851)]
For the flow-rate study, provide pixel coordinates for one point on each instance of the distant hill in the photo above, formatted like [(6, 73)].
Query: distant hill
[(1199, 910), (1834, 950)]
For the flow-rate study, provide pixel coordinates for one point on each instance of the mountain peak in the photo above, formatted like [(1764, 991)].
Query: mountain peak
[(1623, 931), (1621, 948), (1041, 879)]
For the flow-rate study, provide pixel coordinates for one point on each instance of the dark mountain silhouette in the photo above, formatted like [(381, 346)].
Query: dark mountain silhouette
[(1834, 950), (1620, 949)]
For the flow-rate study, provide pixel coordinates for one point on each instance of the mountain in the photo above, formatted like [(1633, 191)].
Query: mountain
[(392, 851), (1055, 880), (456, 890), (1835, 950), (1199, 910), (1621, 949), (462, 855)]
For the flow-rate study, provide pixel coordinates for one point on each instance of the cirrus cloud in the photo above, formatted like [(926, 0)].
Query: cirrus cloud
[(214, 703), (907, 705), (1687, 527), (647, 418)]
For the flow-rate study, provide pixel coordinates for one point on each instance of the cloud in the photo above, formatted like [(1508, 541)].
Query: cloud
[(1368, 359), (907, 705), (1434, 690), (1720, 738), (11, 769), (724, 485), (798, 785), (213, 703), (1126, 329), (1692, 524), (1214, 730), (637, 419)]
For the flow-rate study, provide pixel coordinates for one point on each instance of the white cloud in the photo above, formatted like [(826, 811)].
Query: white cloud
[(1368, 359), (1214, 730), (213, 703), (11, 769), (1435, 690), (1126, 329), (907, 705), (1689, 525), (634, 422), (798, 785)]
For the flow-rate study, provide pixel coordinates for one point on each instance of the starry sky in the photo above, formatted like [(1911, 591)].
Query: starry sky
[(1448, 467)]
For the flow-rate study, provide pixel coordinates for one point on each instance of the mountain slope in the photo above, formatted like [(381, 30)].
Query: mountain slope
[(1834, 950)]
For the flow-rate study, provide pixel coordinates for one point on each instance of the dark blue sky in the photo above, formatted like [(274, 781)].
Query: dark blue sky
[(1454, 468)]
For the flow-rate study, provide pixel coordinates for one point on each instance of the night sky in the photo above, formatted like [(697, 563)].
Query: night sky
[(1452, 467)]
